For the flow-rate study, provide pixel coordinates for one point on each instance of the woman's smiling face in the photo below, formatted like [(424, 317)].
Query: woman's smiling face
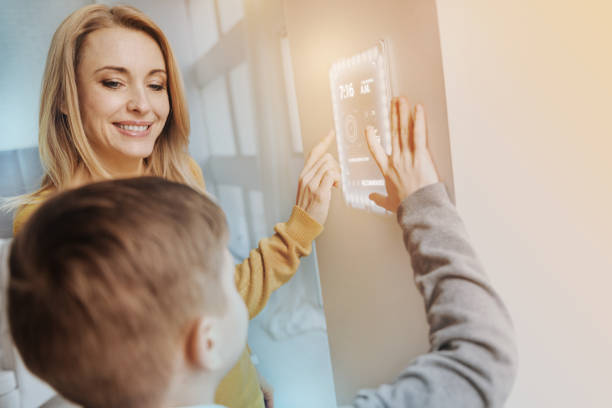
[(123, 96)]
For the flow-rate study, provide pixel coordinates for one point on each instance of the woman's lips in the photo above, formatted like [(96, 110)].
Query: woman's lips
[(133, 129)]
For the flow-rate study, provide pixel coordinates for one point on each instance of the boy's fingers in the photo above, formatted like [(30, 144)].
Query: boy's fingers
[(404, 119), (379, 200), (320, 149), (420, 130), (394, 127), (380, 157)]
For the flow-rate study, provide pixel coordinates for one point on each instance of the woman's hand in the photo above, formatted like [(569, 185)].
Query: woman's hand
[(410, 166), (320, 173), (267, 391)]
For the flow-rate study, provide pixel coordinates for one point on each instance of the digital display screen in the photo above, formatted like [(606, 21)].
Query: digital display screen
[(361, 95)]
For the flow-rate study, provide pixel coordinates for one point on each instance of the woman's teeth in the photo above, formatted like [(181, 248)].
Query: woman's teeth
[(134, 128)]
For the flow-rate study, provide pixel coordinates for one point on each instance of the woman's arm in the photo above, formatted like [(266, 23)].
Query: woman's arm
[(277, 258)]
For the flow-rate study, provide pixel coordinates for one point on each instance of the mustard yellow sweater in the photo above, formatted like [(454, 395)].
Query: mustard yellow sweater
[(269, 266)]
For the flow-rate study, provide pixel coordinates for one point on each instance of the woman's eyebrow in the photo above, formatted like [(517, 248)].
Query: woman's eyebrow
[(157, 71), (112, 68), (125, 71)]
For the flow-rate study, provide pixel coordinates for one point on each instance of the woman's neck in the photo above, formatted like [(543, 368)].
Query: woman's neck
[(122, 167), (83, 176)]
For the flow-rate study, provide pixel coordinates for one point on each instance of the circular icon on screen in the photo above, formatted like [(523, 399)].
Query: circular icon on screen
[(350, 129)]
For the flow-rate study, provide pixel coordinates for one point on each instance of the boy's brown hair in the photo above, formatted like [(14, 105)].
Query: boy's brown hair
[(105, 280)]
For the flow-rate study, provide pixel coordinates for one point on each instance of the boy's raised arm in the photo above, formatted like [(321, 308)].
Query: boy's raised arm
[(472, 361)]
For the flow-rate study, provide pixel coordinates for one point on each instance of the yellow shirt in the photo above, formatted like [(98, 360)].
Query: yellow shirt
[(269, 266)]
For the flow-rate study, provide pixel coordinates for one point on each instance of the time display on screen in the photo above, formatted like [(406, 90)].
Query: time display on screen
[(348, 91)]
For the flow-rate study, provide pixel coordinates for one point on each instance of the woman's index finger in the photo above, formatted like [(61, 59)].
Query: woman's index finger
[(320, 149)]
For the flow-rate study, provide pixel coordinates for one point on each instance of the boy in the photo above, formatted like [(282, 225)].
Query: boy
[(131, 302), (122, 295)]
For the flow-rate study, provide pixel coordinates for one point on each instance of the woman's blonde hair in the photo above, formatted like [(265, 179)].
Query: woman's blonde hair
[(62, 142)]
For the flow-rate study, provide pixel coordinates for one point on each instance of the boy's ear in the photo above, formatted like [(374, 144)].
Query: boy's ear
[(203, 348)]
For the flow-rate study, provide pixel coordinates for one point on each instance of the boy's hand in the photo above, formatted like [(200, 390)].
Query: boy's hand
[(410, 166), (320, 173)]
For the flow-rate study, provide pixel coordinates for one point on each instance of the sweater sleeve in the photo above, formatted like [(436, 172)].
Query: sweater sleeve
[(275, 260), (21, 216), (23, 213), (473, 359), (197, 172)]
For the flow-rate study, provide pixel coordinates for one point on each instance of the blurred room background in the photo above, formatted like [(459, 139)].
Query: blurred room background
[(245, 134)]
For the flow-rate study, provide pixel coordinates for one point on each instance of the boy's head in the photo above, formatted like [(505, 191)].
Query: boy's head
[(122, 292)]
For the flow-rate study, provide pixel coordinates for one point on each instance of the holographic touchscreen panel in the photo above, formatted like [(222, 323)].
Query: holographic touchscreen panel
[(361, 97)]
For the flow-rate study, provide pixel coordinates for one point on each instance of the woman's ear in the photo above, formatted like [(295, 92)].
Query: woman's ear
[(203, 350), (63, 108)]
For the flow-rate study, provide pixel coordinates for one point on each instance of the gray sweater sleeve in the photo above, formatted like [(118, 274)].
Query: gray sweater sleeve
[(472, 360)]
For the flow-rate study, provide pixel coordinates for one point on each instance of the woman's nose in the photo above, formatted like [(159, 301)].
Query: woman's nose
[(139, 102)]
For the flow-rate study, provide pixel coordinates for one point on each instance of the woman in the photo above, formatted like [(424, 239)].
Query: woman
[(112, 105)]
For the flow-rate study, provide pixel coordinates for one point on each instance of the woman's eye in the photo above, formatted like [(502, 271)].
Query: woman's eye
[(157, 87), (111, 84)]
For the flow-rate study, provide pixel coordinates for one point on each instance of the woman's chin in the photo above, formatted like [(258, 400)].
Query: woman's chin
[(137, 152), (127, 161)]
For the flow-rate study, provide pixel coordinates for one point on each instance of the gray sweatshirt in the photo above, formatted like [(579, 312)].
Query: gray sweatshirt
[(473, 359)]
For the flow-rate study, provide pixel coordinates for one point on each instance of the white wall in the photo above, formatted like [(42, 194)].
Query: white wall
[(529, 95), (25, 35), (375, 315)]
